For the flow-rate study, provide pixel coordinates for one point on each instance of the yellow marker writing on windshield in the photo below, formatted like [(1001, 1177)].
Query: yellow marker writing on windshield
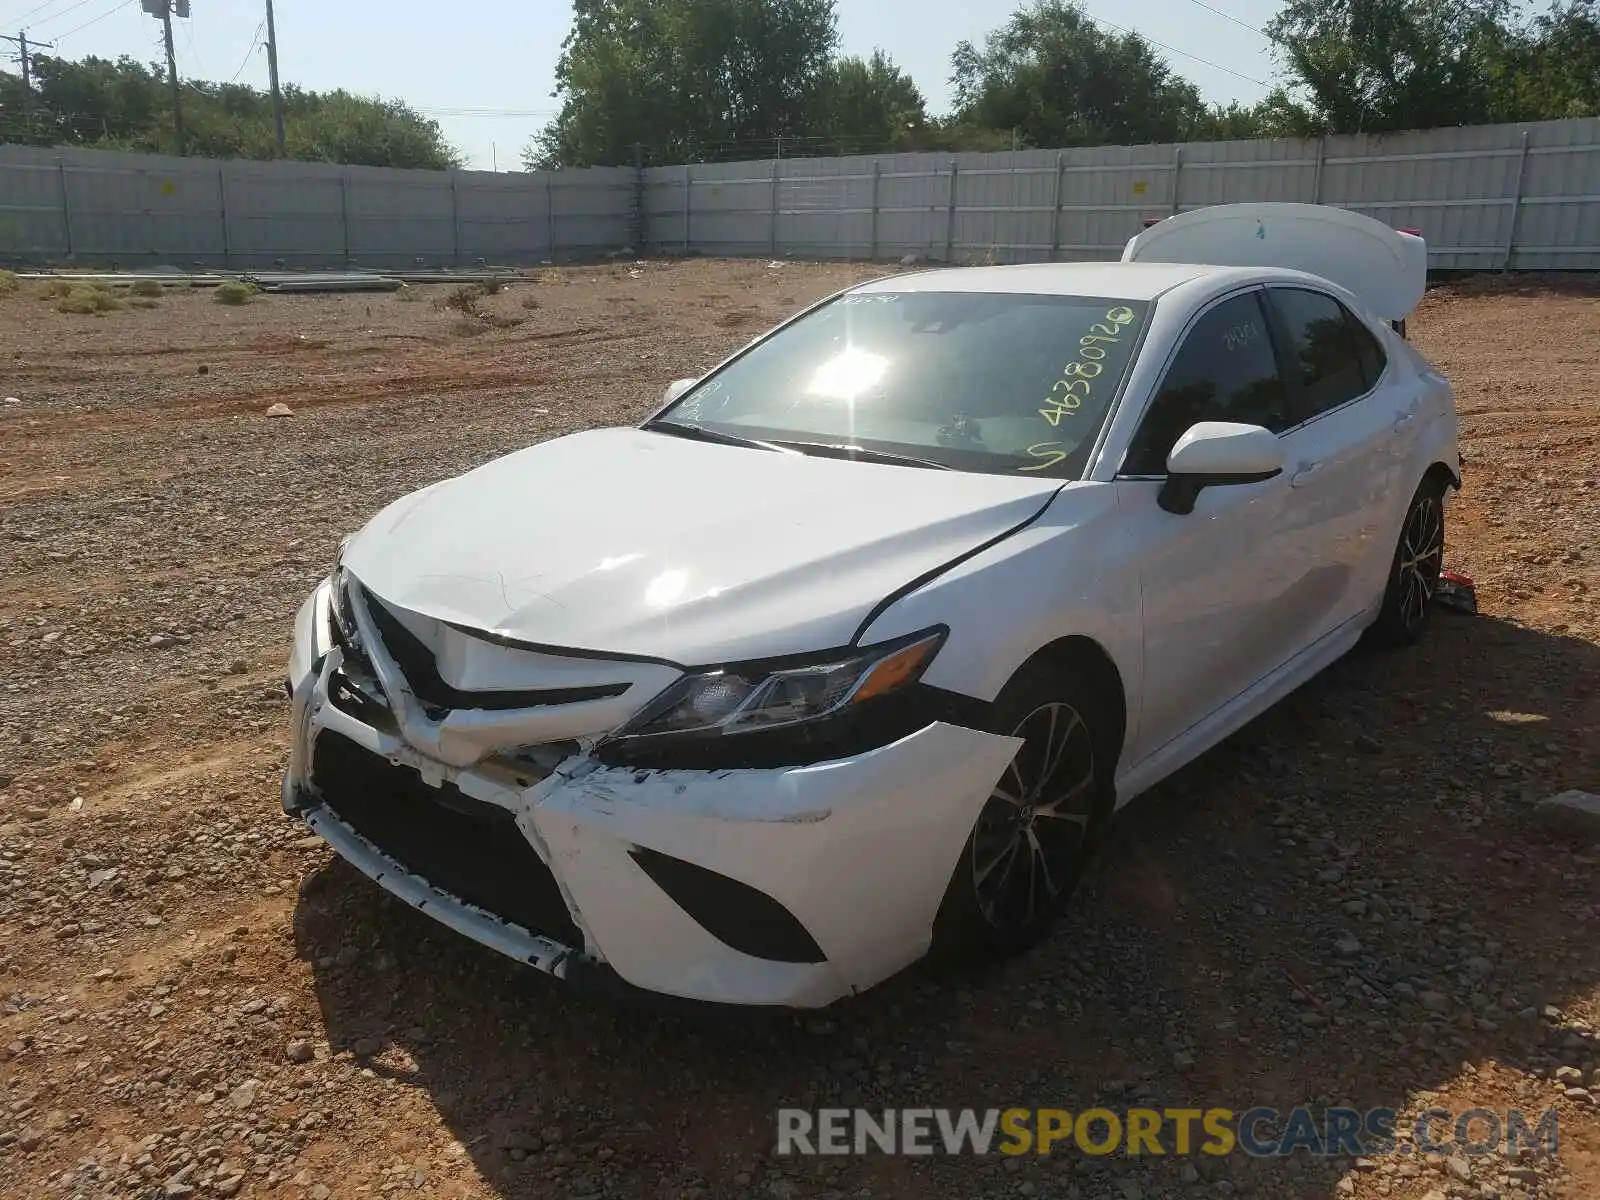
[(1048, 451)]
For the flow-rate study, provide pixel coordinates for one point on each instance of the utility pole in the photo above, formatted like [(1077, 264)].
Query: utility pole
[(21, 42), (163, 10), (272, 72), (172, 77)]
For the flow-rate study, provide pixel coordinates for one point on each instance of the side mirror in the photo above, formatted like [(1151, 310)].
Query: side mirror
[(677, 388), (1216, 454)]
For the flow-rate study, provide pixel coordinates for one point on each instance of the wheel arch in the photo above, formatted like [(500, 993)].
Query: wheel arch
[(1084, 656), (1443, 474)]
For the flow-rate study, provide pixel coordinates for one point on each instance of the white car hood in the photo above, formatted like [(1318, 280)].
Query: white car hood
[(646, 545)]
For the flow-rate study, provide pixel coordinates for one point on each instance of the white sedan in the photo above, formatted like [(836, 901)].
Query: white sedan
[(851, 651)]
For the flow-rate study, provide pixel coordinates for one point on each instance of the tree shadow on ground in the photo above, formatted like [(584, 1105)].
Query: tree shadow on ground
[(1341, 905)]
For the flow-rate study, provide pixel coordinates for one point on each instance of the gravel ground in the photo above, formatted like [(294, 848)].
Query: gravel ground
[(1348, 903)]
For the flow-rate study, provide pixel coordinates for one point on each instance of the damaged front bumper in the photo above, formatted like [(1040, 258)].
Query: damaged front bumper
[(790, 886)]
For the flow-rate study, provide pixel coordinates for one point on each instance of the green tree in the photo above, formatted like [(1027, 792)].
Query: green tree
[(869, 105), (1381, 65), (686, 79), (1551, 66), (1058, 79), (124, 105)]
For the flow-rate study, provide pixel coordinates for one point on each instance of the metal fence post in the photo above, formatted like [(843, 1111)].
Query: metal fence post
[(1516, 203), (688, 192), (637, 227), (66, 203), (550, 211), (1177, 176), (950, 215), (222, 204), (772, 220), (344, 211), (872, 242), (455, 219), (1055, 207), (1316, 179)]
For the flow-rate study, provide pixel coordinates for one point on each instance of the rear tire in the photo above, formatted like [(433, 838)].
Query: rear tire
[(1037, 832), (1414, 570)]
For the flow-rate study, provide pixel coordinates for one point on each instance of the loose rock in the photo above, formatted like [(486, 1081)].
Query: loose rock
[(1572, 812)]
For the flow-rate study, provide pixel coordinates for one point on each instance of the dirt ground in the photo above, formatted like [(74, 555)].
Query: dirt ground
[(1348, 903)]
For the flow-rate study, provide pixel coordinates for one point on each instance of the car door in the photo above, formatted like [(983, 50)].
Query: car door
[(1220, 587), (1345, 469)]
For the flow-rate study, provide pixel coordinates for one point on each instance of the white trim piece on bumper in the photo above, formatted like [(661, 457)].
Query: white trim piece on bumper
[(877, 833), (543, 953)]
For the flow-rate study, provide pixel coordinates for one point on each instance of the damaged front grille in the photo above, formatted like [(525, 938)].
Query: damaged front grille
[(416, 662), (359, 702), (459, 844), (353, 688)]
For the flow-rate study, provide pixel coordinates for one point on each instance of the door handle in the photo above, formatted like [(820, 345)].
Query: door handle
[(1304, 472)]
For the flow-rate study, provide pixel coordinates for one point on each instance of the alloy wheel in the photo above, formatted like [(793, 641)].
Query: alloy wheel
[(1035, 824), (1420, 558)]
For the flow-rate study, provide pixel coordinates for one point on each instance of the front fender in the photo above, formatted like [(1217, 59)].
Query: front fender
[(1065, 575)]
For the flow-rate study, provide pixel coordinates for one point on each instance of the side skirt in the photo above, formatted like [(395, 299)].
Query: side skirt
[(1243, 708)]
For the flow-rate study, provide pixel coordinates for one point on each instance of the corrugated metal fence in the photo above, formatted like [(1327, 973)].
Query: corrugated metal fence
[(1527, 196), (138, 209), (1484, 196)]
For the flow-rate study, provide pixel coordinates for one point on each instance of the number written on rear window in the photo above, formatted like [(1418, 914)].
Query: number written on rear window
[(1239, 336)]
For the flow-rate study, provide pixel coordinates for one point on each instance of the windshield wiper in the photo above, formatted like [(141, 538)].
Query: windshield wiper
[(699, 433), (861, 453)]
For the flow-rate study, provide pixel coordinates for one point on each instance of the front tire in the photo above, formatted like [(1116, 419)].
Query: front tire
[(1033, 840), (1414, 570)]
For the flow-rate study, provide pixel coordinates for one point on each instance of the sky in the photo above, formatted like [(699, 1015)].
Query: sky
[(486, 71)]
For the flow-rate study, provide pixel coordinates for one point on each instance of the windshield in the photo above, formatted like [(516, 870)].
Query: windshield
[(975, 381)]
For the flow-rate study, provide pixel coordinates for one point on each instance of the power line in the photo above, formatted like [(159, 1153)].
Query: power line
[(1231, 17), (97, 20), (71, 8), (255, 43), (188, 33), (1216, 66), (38, 8)]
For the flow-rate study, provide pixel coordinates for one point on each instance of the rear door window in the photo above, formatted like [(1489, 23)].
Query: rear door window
[(1322, 355)]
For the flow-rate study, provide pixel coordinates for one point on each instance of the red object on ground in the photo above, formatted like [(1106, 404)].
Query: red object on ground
[(1456, 591)]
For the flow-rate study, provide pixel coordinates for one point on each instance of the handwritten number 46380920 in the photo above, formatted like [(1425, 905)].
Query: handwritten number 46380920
[(1068, 393)]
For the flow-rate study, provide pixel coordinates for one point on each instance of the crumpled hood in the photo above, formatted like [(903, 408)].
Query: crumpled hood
[(643, 544)]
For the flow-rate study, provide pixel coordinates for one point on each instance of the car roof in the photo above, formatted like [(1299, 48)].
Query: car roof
[(1121, 280)]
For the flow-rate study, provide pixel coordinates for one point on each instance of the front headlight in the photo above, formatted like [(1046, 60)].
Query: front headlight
[(749, 698), (344, 622)]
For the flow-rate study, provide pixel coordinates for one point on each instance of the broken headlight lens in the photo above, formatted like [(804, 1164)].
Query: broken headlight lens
[(345, 630), (748, 698)]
